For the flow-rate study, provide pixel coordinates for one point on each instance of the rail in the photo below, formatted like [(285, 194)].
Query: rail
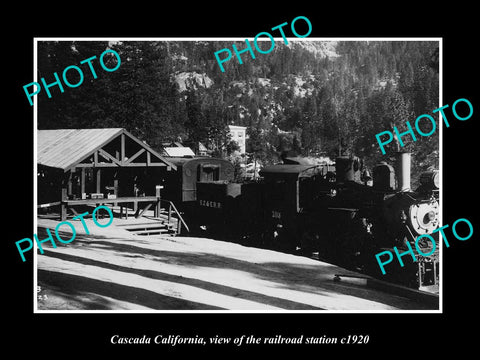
[(171, 206)]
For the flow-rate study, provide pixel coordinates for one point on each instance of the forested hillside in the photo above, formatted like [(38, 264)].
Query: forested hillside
[(310, 97)]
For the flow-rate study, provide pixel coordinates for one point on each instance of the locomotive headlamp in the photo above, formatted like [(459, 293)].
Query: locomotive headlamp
[(424, 217), (430, 216)]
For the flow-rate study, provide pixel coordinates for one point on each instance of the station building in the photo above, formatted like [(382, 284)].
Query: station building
[(87, 166), (238, 134)]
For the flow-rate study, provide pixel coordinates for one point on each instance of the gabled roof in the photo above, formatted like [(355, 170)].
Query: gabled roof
[(178, 151), (66, 148)]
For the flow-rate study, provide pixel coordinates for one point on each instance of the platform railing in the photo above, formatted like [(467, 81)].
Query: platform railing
[(154, 200), (171, 206)]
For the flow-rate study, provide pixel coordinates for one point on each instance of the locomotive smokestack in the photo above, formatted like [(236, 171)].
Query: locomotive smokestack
[(403, 170)]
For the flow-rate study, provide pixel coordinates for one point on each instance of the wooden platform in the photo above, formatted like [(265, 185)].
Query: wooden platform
[(121, 201), (160, 220), (118, 200)]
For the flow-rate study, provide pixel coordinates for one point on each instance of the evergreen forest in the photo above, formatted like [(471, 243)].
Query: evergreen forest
[(310, 98)]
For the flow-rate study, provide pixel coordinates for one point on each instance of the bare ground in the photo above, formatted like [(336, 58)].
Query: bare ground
[(112, 269)]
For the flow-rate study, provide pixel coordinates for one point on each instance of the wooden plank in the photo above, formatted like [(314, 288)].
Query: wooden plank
[(180, 220), (137, 154), (108, 156), (99, 165), (145, 226), (157, 205), (144, 164), (82, 181), (69, 183), (49, 204), (64, 193), (152, 232), (98, 176), (122, 148), (121, 212), (63, 212), (144, 209), (63, 207), (115, 188), (154, 153), (120, 200)]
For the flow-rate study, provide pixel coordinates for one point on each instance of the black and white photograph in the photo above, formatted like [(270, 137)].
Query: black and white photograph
[(260, 187), (295, 181)]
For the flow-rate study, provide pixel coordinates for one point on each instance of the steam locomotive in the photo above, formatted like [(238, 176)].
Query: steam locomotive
[(339, 213)]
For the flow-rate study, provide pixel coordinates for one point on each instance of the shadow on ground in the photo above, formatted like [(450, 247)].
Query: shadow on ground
[(288, 276)]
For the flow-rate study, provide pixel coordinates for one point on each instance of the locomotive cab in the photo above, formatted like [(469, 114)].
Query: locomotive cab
[(288, 191), (288, 187)]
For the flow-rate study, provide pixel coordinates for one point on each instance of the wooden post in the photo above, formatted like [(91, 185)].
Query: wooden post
[(179, 226), (144, 209), (82, 182), (63, 206), (158, 208), (69, 183), (98, 176), (115, 186), (122, 149), (169, 213), (121, 211), (115, 189)]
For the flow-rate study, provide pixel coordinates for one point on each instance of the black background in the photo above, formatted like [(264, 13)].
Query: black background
[(63, 334)]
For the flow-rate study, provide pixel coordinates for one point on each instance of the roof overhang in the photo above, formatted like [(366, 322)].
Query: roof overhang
[(68, 149)]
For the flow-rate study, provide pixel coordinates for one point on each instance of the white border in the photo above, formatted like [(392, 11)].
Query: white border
[(35, 121)]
